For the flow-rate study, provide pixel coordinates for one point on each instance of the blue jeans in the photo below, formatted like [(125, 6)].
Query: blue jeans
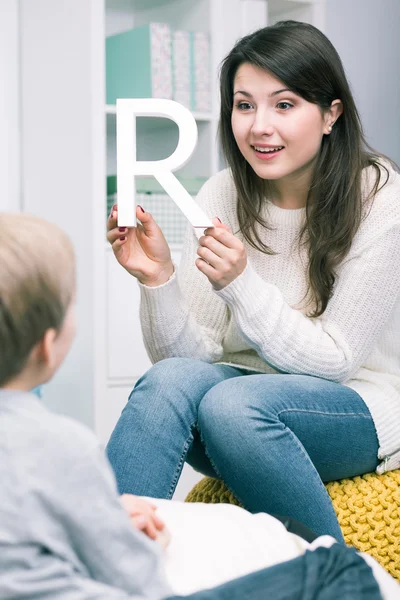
[(273, 439), (325, 573)]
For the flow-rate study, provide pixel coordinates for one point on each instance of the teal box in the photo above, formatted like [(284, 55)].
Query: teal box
[(138, 63)]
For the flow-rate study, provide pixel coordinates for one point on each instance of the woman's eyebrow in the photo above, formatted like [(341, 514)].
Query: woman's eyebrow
[(269, 95), (279, 92), (243, 93)]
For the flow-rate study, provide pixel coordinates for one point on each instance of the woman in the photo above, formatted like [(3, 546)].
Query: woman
[(276, 343)]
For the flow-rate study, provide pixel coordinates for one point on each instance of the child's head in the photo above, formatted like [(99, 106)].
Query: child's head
[(37, 288)]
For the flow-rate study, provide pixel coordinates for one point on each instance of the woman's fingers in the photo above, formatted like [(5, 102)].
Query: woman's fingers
[(116, 234), (218, 223), (211, 247), (146, 225), (210, 257), (117, 238), (149, 226), (214, 275), (112, 218), (208, 242), (144, 217), (223, 236)]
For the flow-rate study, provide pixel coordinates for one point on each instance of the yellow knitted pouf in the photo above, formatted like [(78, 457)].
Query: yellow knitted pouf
[(367, 507)]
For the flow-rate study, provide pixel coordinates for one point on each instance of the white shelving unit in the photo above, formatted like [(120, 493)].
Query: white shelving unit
[(157, 138), (68, 148)]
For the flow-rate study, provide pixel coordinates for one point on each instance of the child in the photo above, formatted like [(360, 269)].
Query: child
[(63, 532)]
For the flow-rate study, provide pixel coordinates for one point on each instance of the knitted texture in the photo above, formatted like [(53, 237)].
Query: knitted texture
[(367, 507), (258, 321)]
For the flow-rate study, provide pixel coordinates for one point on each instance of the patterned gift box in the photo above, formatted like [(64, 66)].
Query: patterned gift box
[(201, 79), (181, 67)]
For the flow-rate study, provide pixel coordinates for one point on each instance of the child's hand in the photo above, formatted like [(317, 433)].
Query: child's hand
[(142, 250), (143, 516), (222, 255)]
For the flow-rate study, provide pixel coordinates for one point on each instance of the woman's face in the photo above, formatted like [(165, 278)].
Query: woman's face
[(278, 132)]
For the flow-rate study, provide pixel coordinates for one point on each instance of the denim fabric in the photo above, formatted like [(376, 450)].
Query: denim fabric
[(325, 573), (273, 439)]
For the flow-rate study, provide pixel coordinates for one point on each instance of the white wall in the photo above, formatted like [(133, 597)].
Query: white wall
[(63, 151), (9, 106), (366, 35)]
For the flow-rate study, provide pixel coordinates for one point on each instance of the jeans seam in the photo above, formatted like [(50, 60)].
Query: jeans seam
[(320, 412), (299, 446), (181, 462)]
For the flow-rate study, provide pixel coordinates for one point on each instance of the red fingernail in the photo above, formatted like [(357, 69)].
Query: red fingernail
[(121, 228), (122, 238), (142, 209), (218, 219)]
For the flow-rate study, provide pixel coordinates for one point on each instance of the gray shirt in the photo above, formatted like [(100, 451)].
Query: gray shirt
[(63, 532)]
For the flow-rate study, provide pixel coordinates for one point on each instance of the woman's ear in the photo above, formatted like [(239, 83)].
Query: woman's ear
[(332, 115)]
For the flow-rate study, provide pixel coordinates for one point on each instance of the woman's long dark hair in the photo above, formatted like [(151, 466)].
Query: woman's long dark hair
[(304, 59)]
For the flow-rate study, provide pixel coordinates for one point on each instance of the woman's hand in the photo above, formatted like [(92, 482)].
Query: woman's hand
[(222, 256), (142, 250), (144, 517)]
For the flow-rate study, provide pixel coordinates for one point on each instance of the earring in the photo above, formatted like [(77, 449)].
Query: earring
[(329, 127)]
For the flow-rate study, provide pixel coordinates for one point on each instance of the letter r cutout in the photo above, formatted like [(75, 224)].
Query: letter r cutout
[(128, 168)]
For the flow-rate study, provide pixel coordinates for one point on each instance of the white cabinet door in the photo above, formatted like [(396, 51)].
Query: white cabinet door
[(127, 357), (125, 349)]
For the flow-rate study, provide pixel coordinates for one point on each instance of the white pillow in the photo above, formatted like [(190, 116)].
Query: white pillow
[(215, 543)]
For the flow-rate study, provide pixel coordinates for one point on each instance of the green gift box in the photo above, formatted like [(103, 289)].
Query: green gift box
[(138, 63)]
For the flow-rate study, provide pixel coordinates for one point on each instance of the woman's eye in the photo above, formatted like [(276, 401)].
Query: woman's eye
[(244, 106), (284, 105)]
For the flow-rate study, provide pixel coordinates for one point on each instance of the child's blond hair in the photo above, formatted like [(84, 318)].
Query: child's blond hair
[(37, 285)]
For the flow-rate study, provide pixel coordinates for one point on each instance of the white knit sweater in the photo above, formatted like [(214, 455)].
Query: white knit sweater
[(259, 320)]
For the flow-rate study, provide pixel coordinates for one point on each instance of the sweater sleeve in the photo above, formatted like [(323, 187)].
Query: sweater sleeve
[(335, 345), (184, 317), (77, 515)]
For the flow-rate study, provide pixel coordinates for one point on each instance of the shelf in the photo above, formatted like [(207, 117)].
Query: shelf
[(276, 7), (133, 5), (111, 111)]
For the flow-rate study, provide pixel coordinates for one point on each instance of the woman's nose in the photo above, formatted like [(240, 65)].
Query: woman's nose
[(262, 124)]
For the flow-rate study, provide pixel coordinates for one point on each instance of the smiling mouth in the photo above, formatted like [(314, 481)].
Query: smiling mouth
[(267, 150)]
